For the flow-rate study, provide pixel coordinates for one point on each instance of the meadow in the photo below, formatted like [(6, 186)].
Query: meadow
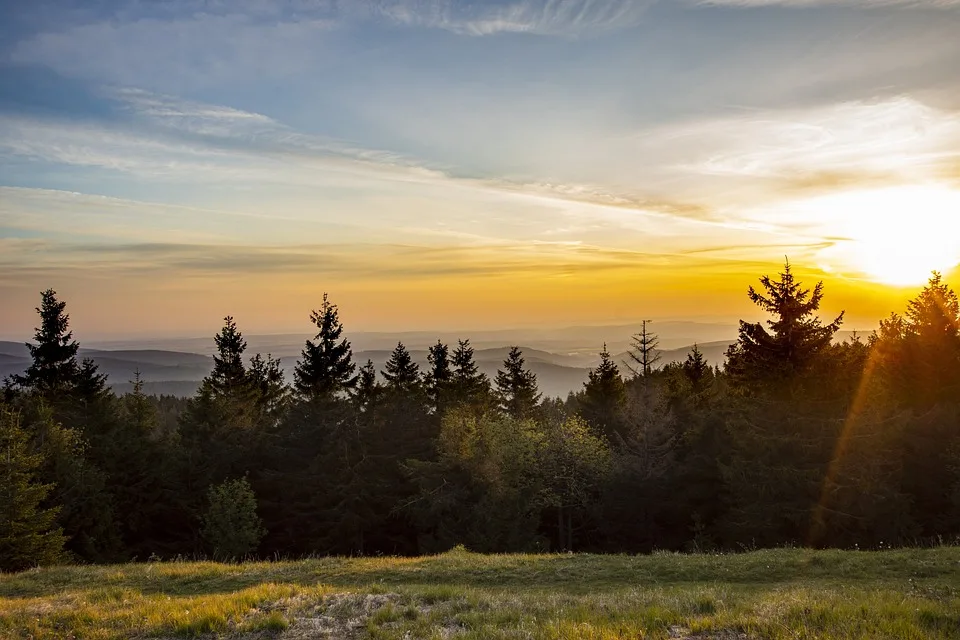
[(777, 594)]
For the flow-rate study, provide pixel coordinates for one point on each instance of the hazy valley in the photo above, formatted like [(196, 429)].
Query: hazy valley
[(561, 358)]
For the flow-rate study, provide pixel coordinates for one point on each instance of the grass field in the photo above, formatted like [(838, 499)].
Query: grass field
[(765, 594)]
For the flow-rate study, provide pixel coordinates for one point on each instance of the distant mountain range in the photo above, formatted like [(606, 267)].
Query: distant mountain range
[(178, 368)]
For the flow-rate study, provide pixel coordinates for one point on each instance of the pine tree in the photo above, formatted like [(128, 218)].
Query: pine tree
[(231, 526), (326, 368), (603, 397), (644, 353), (796, 337), (28, 534), (696, 370), (401, 372), (919, 352), (468, 385), (368, 389), (54, 355), (516, 386), (440, 376), (265, 376), (228, 375)]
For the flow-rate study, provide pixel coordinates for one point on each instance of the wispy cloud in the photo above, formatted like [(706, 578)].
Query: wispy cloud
[(868, 4), (782, 152), (543, 17)]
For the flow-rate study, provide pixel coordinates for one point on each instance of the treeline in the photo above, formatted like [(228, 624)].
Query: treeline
[(799, 439)]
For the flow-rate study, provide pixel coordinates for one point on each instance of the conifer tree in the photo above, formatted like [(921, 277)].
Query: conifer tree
[(604, 395), (468, 384), (795, 337), (696, 370), (401, 372), (265, 376), (228, 375), (28, 534), (54, 355), (231, 526), (643, 354), (326, 369), (135, 475), (516, 386), (367, 386), (439, 378)]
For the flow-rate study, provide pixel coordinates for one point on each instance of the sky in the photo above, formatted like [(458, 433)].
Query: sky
[(443, 164)]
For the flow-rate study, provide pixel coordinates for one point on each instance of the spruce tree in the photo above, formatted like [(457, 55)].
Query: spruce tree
[(604, 396), (440, 376), (368, 389), (401, 372), (54, 355), (516, 386), (468, 385), (696, 370), (231, 527), (265, 376), (228, 375), (796, 337), (326, 368), (28, 534)]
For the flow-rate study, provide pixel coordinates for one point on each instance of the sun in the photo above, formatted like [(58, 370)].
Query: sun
[(896, 235)]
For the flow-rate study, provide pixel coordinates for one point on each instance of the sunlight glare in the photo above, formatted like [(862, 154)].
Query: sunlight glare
[(895, 236)]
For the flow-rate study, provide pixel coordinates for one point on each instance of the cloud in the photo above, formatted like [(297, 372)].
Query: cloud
[(354, 262), (786, 152), (864, 4), (542, 17)]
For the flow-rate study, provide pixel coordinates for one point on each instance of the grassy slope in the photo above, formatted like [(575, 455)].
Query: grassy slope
[(765, 594)]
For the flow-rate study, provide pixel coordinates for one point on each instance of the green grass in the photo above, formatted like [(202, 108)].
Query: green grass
[(779, 594)]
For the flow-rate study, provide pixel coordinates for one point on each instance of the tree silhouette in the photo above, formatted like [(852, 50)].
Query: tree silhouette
[(229, 374), (696, 370), (468, 384), (795, 336), (326, 368), (54, 366), (516, 386), (401, 372), (439, 378), (367, 389), (603, 397), (643, 353)]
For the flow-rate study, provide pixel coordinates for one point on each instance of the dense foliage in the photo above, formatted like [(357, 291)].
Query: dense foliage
[(799, 439)]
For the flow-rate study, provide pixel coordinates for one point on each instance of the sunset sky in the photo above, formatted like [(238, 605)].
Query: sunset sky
[(437, 164)]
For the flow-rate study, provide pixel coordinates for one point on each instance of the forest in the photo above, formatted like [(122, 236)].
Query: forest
[(799, 439)]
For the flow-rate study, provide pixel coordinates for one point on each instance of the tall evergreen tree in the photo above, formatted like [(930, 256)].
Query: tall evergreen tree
[(517, 386), (367, 386), (401, 372), (440, 376), (265, 376), (603, 397), (28, 534), (468, 384), (643, 353), (796, 337), (54, 366), (228, 375), (696, 370), (326, 368)]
